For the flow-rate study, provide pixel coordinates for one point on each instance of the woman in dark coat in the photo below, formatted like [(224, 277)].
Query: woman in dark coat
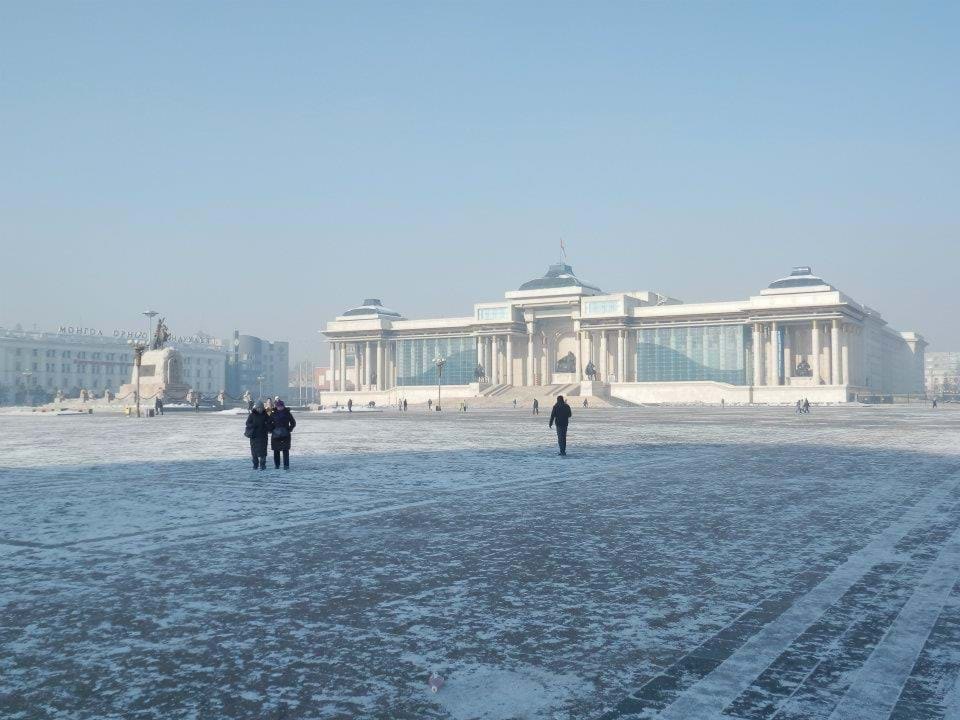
[(283, 425), (258, 425)]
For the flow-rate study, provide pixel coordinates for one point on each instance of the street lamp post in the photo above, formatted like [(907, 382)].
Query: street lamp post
[(260, 380), (151, 314), (27, 374), (138, 349), (439, 361)]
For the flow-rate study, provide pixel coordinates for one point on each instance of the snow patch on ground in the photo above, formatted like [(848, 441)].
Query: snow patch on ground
[(483, 692)]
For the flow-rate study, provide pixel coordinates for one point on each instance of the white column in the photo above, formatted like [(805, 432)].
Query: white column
[(815, 352), (333, 365), (835, 352), (510, 359), (757, 355), (845, 356), (621, 357), (343, 367), (787, 354), (603, 355), (495, 359), (380, 365), (773, 371), (531, 369), (367, 357), (577, 352)]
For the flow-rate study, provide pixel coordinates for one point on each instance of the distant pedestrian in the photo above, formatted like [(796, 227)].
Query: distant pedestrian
[(514, 403), (584, 402), (934, 403), (806, 405), (196, 402), (799, 406), (257, 429), (283, 425), (350, 405), (536, 406), (722, 402), (404, 404), (429, 404), (560, 415), (158, 406)]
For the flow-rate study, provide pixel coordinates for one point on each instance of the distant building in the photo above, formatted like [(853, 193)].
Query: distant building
[(260, 366), (34, 365), (799, 336), (942, 373), (322, 379)]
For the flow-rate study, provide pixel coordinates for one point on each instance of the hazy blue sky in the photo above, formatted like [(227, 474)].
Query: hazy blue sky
[(266, 166)]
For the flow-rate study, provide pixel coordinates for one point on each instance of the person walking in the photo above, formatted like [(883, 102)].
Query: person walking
[(196, 402), (257, 429), (584, 402), (283, 425), (158, 406), (806, 405), (350, 405), (514, 403), (536, 406), (561, 416), (430, 404), (404, 404), (934, 403)]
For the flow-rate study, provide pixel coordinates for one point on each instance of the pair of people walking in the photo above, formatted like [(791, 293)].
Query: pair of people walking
[(278, 424)]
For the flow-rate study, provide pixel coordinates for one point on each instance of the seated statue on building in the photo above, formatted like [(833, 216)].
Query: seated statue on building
[(566, 364), (803, 369), (479, 374), (591, 371)]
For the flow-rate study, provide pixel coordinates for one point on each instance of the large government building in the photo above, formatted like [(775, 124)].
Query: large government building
[(799, 337)]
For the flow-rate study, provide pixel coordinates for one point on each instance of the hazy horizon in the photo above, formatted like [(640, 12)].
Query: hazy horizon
[(267, 167)]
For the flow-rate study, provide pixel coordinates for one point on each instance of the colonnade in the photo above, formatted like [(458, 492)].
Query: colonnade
[(830, 352), (374, 362)]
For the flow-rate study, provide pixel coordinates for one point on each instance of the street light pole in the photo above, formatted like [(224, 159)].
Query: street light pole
[(151, 314), (138, 349), (439, 361), (260, 380), (27, 374)]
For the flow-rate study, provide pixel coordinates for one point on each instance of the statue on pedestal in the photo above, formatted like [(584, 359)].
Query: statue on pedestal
[(591, 371)]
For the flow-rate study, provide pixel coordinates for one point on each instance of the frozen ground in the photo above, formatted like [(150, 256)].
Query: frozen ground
[(681, 563)]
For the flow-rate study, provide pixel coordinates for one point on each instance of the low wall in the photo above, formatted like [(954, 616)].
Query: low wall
[(711, 393), (412, 393)]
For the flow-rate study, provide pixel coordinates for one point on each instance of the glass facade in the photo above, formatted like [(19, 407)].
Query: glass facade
[(703, 352), (415, 360)]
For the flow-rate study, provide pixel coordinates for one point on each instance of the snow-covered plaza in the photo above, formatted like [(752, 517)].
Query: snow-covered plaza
[(698, 563)]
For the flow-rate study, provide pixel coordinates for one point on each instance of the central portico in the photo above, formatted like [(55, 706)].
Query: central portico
[(560, 331)]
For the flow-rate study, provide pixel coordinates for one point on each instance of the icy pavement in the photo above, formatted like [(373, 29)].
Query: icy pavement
[(703, 564)]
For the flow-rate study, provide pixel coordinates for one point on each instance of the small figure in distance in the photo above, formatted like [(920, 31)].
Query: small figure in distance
[(560, 415), (350, 405), (536, 406)]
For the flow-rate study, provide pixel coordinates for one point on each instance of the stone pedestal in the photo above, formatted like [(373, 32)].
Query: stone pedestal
[(161, 372), (594, 388)]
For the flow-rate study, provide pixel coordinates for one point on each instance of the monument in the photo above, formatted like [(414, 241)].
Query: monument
[(160, 371)]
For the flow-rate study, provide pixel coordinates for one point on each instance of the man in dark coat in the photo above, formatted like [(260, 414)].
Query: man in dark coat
[(561, 416), (536, 406), (258, 427), (283, 425)]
